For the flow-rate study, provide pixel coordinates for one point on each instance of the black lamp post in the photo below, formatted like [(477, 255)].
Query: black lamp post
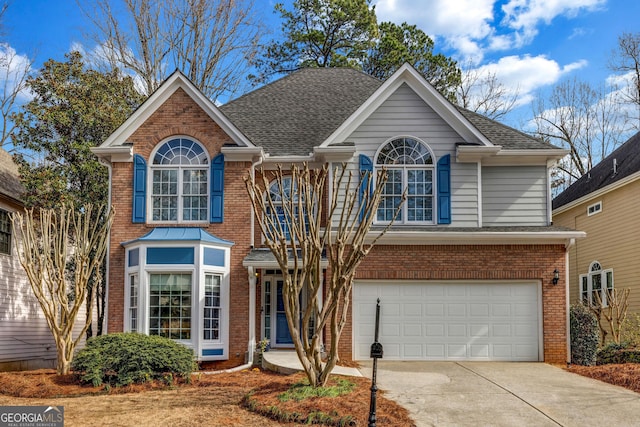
[(376, 353)]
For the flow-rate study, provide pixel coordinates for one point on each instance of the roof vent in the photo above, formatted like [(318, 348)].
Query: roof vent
[(615, 166)]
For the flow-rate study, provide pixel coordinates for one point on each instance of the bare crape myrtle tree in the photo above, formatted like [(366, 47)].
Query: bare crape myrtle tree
[(306, 234)]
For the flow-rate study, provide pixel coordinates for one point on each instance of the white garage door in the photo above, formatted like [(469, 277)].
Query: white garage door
[(453, 321)]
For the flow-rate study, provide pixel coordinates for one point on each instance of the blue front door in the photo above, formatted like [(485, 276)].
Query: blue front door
[(283, 337)]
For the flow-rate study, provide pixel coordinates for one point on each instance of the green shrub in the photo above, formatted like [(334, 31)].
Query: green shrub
[(631, 329), (125, 358), (585, 335), (618, 353)]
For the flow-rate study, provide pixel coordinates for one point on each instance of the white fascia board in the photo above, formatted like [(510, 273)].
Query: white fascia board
[(335, 153), (496, 155), (598, 193), (176, 81), (119, 153), (400, 237), (407, 74), (242, 154)]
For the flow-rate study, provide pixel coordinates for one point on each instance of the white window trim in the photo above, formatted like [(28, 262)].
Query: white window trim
[(197, 271), (152, 167), (404, 168), (597, 208), (603, 281)]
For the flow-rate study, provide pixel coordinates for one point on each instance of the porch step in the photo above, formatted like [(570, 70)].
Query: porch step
[(287, 362)]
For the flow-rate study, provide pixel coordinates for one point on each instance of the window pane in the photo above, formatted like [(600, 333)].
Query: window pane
[(211, 326), (5, 232), (171, 317), (133, 302)]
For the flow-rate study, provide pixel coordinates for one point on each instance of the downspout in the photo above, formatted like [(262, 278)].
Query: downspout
[(105, 313), (567, 246), (253, 214)]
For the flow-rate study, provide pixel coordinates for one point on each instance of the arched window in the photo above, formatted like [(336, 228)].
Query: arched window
[(595, 284), (278, 197), (180, 187), (409, 164)]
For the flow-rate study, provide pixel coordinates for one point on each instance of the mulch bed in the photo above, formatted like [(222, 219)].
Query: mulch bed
[(261, 390), (625, 375)]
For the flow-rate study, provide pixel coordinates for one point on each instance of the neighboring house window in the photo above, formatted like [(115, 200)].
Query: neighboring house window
[(180, 185), (5, 232), (595, 284), (409, 164), (170, 305), (594, 209), (211, 327), (133, 302)]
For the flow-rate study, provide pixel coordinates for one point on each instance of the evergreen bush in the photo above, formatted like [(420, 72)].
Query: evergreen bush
[(124, 358), (585, 336), (618, 353)]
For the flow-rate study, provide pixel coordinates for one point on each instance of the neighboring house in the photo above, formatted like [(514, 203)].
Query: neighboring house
[(25, 340), (603, 203), (466, 272)]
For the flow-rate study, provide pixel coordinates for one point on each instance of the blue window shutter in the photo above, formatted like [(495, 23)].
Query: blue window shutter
[(217, 189), (366, 167), (444, 190), (139, 189)]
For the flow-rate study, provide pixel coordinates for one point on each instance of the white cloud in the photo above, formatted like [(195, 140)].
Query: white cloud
[(470, 18), (524, 16), (13, 71), (526, 74), (471, 27)]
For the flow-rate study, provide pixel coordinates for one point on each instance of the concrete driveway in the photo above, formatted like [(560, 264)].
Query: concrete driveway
[(503, 394)]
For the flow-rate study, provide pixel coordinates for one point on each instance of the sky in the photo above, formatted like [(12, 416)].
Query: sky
[(530, 45)]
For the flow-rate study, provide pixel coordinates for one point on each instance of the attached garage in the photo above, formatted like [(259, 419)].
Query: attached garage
[(449, 321)]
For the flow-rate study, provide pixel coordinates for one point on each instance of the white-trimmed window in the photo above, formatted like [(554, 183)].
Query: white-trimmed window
[(277, 198), (170, 296), (5, 232), (134, 290), (212, 307), (596, 283), (594, 208), (179, 182), (410, 164)]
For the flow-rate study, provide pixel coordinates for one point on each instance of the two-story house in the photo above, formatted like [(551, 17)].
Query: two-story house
[(472, 269), (602, 203)]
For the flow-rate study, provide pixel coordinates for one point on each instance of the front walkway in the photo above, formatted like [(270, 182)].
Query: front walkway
[(287, 362)]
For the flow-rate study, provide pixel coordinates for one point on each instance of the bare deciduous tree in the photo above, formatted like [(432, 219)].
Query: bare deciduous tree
[(614, 312), (62, 251), (14, 71), (212, 41), (485, 94), (583, 120), (290, 215), (625, 61)]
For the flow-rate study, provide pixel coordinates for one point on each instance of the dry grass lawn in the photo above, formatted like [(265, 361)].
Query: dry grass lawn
[(210, 400)]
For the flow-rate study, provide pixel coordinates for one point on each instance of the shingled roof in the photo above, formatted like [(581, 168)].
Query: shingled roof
[(627, 158), (10, 185), (293, 115), (298, 112), (506, 137)]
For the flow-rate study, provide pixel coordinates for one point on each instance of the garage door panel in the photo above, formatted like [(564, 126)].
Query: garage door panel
[(456, 310), (436, 310), (412, 310), (477, 310), (473, 321)]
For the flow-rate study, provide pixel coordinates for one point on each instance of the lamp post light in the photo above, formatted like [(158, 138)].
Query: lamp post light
[(376, 353)]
